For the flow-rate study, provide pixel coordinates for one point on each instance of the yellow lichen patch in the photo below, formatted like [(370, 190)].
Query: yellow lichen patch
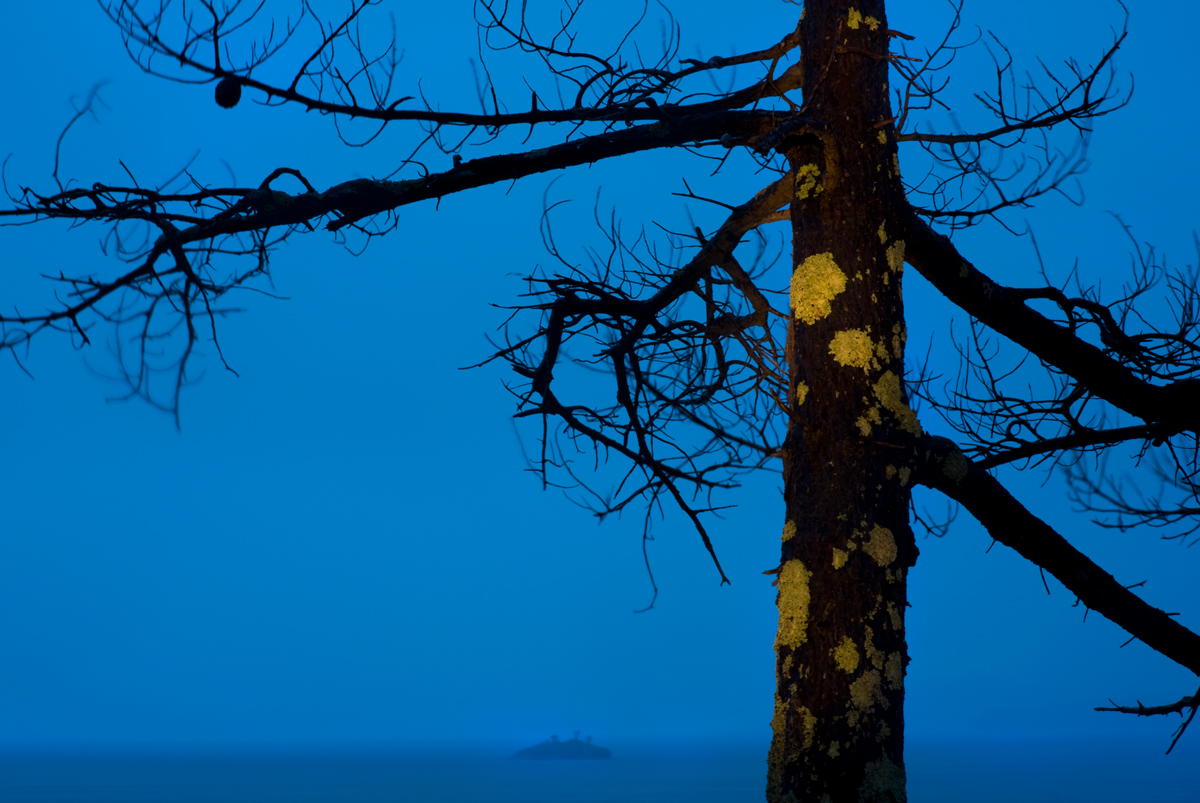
[(787, 665), (810, 727), (846, 656), (883, 780), (882, 234), (793, 604), (853, 19), (890, 471), (874, 656), (776, 758), (840, 557), (881, 352), (896, 163), (789, 531), (894, 615), (895, 256), (864, 690), (881, 545), (887, 390), (834, 749), (882, 135), (904, 474), (864, 422), (779, 721), (801, 393), (899, 338), (872, 23), (893, 671), (815, 283), (852, 347), (956, 467), (806, 181)]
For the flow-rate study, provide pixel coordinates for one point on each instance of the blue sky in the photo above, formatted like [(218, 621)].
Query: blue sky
[(342, 547)]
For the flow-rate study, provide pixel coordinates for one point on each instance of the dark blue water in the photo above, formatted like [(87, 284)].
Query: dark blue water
[(939, 772)]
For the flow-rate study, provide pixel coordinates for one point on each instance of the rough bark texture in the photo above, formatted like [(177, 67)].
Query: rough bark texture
[(847, 545)]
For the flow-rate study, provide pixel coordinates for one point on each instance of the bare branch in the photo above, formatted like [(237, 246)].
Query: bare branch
[(946, 469)]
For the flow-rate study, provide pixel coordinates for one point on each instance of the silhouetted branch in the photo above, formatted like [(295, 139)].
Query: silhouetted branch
[(974, 176), (1005, 310), (667, 368), (945, 468), (1187, 703)]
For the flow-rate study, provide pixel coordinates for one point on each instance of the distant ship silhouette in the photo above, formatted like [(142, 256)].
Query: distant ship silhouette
[(570, 749)]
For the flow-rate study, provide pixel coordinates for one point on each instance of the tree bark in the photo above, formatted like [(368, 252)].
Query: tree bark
[(847, 544)]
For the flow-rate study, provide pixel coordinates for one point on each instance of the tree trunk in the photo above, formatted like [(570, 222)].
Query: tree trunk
[(847, 545)]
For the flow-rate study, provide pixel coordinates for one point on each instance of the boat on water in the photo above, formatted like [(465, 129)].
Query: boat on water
[(572, 748)]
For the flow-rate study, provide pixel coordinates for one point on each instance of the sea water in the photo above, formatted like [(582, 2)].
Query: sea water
[(940, 771)]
